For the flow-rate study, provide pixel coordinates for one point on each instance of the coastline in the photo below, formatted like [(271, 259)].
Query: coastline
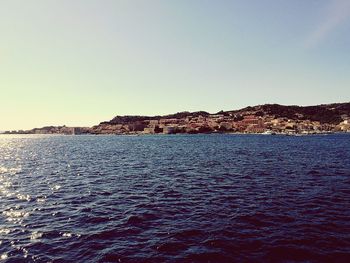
[(176, 134), (267, 119)]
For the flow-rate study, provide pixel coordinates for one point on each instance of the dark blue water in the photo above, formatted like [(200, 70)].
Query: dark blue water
[(182, 198)]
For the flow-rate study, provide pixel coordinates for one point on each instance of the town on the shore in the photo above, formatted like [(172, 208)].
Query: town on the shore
[(261, 119)]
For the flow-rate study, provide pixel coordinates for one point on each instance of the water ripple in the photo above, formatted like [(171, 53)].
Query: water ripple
[(183, 198)]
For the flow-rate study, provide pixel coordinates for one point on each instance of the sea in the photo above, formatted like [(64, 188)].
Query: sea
[(175, 198)]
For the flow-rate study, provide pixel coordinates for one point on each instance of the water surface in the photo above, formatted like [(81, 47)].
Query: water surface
[(182, 198)]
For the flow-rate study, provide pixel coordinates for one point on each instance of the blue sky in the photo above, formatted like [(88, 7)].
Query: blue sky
[(81, 62)]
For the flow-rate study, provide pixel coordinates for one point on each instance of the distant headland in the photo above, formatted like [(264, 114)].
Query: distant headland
[(265, 119)]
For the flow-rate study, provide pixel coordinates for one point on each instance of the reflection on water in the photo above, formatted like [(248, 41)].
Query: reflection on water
[(183, 198)]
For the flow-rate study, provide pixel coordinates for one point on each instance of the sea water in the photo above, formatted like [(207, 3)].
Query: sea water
[(175, 198)]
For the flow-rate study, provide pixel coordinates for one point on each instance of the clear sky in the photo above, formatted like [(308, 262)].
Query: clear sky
[(80, 62)]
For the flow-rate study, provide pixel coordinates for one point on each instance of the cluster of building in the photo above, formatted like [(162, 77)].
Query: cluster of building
[(53, 130), (244, 121), (248, 123)]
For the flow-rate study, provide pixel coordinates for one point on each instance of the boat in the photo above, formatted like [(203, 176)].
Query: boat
[(268, 132)]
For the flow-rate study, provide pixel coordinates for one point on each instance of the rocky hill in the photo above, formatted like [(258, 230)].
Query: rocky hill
[(134, 118), (254, 119), (325, 113)]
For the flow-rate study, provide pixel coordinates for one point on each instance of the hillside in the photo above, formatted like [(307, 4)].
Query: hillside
[(325, 113), (253, 119)]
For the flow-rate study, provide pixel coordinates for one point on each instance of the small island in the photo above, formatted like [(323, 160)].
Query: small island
[(260, 119)]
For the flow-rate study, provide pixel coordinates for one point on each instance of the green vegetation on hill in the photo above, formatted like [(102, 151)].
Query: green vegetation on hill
[(323, 113), (327, 113), (134, 118)]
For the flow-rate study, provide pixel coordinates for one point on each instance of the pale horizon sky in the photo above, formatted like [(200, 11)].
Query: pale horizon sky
[(80, 62)]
